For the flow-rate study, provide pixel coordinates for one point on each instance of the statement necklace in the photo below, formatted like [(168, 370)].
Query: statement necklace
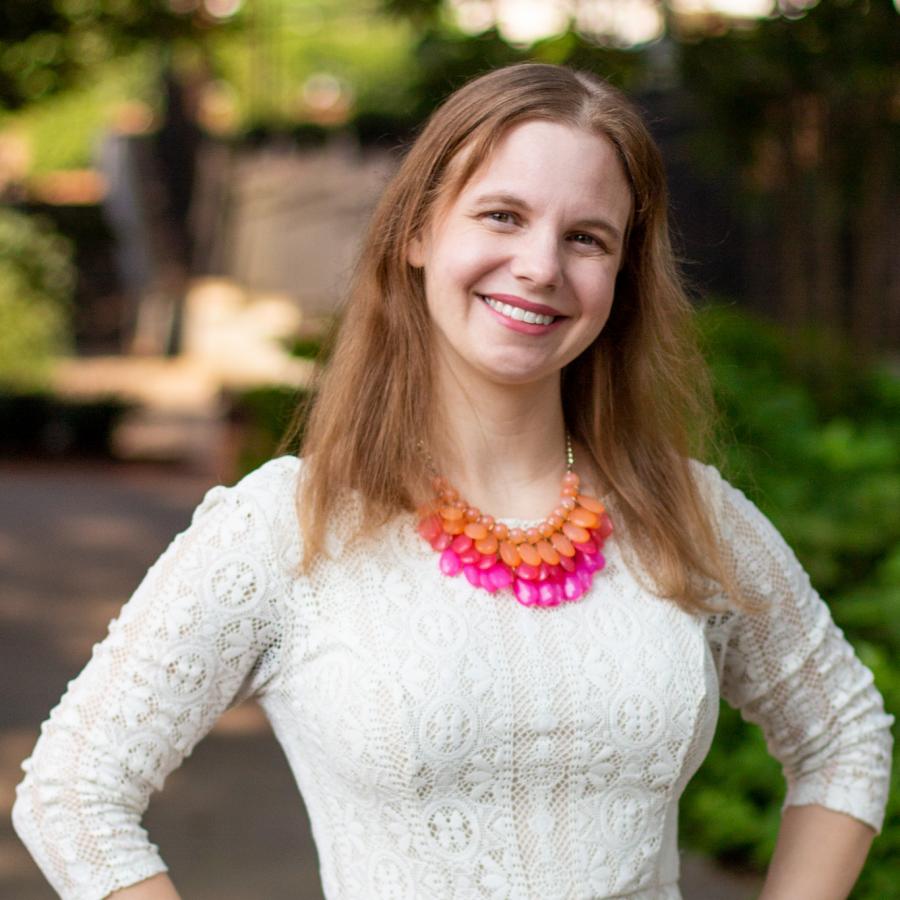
[(551, 563)]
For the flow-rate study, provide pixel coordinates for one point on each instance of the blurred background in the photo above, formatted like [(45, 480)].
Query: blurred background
[(184, 184)]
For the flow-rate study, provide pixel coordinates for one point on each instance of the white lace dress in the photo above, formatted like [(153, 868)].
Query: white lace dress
[(448, 743)]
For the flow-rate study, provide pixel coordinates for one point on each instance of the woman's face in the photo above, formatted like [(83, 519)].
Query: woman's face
[(520, 269)]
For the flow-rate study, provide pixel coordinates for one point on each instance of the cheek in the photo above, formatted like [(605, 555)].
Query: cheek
[(596, 290)]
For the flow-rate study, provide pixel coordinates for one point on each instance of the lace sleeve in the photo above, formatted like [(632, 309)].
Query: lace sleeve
[(790, 670), (200, 632)]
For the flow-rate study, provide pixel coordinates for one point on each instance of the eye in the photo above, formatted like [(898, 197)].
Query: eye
[(500, 216), (588, 241)]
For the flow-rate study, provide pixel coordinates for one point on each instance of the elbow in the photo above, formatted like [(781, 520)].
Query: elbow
[(850, 776), (85, 843)]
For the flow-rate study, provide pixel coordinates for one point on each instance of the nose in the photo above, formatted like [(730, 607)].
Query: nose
[(537, 259)]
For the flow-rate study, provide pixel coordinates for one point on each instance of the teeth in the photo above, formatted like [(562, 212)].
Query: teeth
[(515, 312)]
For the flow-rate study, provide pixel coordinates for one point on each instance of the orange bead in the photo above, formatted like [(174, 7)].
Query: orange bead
[(568, 504), (501, 532), (487, 521), (529, 554), (570, 490), (509, 554), (546, 529), (454, 526), (591, 503), (583, 517), (451, 514), (472, 514), (476, 531), (532, 535), (555, 522), (562, 545), (548, 554), (516, 535), (560, 513), (571, 478), (487, 546), (575, 533)]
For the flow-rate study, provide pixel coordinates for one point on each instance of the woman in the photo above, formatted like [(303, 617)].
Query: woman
[(485, 705)]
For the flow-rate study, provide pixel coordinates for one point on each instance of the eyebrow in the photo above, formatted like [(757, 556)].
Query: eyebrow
[(506, 199)]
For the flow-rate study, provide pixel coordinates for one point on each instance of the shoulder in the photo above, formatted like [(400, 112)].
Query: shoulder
[(259, 509), (724, 500), (268, 486)]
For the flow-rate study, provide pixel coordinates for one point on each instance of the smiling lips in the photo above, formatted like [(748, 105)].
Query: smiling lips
[(520, 310)]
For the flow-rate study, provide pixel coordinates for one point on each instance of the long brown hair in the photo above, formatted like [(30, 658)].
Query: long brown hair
[(638, 398)]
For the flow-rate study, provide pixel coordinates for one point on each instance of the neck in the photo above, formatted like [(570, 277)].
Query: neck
[(502, 446)]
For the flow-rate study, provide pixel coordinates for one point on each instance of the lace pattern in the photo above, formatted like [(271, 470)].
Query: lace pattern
[(448, 744)]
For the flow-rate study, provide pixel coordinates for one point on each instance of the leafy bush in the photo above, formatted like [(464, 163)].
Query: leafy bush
[(36, 283), (262, 416), (814, 440)]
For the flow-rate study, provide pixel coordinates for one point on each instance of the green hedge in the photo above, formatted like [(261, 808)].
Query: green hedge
[(813, 437), (37, 281)]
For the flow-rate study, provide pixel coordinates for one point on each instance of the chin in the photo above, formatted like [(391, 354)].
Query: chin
[(515, 376)]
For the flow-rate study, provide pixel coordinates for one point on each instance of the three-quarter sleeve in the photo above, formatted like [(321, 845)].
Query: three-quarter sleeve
[(789, 669), (202, 630)]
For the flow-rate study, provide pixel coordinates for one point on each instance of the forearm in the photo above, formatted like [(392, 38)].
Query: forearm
[(159, 887), (818, 856)]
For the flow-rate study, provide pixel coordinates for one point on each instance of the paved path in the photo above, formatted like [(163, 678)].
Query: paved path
[(74, 542)]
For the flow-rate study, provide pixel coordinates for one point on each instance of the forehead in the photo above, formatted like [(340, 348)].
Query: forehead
[(553, 163)]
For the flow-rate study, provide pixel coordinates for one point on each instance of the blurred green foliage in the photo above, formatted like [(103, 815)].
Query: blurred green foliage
[(37, 280), (63, 129), (48, 46), (283, 43), (813, 437), (262, 416)]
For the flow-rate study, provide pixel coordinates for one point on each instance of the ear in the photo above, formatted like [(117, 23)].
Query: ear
[(415, 252)]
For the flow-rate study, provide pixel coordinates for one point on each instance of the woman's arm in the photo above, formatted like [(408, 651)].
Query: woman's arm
[(819, 855), (201, 632), (159, 887), (788, 668)]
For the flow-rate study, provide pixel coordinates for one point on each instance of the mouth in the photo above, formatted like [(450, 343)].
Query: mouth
[(517, 313)]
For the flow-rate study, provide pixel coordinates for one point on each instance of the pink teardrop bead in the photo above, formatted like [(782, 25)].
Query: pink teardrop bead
[(484, 581), (585, 577), (442, 542), (450, 563), (594, 561), (567, 563), (548, 594), (543, 572), (606, 526), (555, 574), (529, 573), (461, 543), (589, 547), (500, 576), (473, 574), (470, 557), (572, 587), (430, 527), (486, 562), (526, 593)]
